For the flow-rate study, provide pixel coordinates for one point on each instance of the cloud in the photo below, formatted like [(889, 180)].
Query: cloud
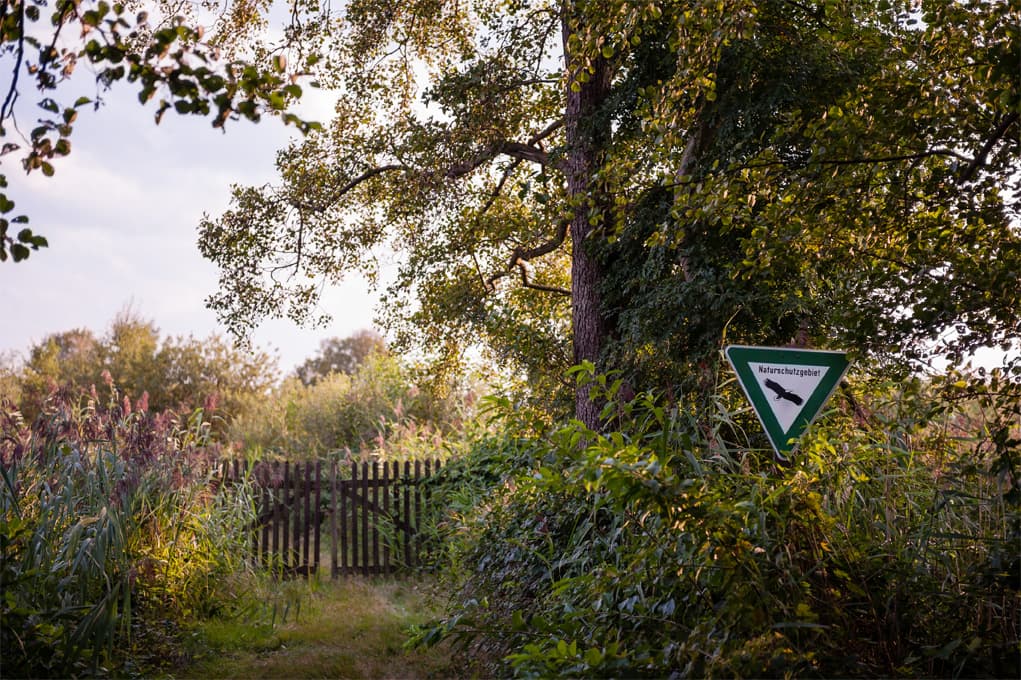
[(121, 216)]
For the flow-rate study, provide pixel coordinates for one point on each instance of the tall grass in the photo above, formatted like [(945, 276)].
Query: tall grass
[(109, 522)]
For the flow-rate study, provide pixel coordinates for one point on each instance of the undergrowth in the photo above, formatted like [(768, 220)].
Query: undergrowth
[(674, 546)]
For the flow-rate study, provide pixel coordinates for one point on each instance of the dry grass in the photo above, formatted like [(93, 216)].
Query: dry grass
[(352, 628)]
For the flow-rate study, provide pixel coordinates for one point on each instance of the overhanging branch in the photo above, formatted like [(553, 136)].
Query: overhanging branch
[(549, 130), (538, 286), (520, 257), (350, 185), (862, 160), (997, 135), (524, 152)]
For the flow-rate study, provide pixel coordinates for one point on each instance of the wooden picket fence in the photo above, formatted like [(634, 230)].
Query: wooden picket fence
[(364, 517)]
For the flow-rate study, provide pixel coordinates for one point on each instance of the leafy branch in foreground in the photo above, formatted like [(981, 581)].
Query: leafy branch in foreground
[(169, 58)]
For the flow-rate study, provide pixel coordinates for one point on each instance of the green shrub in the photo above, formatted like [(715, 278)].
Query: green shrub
[(890, 547), (355, 412)]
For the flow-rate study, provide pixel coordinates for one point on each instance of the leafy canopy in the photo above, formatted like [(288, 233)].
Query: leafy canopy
[(841, 171)]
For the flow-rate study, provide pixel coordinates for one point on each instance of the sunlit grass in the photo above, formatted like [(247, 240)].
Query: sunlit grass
[(350, 628)]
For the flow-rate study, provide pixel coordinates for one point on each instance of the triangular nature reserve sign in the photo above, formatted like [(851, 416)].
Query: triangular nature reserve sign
[(787, 387)]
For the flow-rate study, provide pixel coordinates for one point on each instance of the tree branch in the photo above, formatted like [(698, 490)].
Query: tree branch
[(853, 161), (520, 256), (980, 159), (498, 189), (339, 193), (538, 286), (545, 248), (367, 175), (524, 152), (12, 93), (895, 158), (550, 129)]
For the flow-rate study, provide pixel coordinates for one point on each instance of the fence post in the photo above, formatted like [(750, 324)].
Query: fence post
[(418, 511), (364, 503), (352, 495), (307, 520), (300, 470), (387, 518), (285, 540), (374, 517), (317, 520), (333, 518), (266, 491), (407, 513)]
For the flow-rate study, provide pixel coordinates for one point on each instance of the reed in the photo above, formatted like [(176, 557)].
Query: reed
[(109, 521)]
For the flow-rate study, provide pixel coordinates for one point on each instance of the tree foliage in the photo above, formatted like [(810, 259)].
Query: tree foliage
[(341, 355), (161, 47), (172, 373), (842, 171)]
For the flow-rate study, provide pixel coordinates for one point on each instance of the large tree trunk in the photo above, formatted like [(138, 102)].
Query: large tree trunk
[(587, 136)]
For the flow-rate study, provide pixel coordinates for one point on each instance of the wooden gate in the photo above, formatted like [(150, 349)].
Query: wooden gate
[(363, 518)]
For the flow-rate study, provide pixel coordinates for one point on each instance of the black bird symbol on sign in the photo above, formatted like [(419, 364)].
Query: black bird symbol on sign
[(781, 393)]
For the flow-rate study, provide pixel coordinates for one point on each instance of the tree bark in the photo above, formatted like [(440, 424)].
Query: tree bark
[(587, 136)]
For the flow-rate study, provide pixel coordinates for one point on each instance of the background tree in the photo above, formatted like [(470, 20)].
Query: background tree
[(749, 168), (71, 357), (10, 385), (341, 355), (175, 373)]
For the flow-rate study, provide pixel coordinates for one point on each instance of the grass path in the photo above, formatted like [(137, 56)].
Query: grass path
[(347, 629)]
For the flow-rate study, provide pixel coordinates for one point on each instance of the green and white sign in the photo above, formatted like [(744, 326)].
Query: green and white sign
[(787, 387)]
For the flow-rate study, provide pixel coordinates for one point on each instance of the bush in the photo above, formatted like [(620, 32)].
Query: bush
[(353, 412), (665, 547)]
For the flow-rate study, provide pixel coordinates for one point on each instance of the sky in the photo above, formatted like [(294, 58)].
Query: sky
[(121, 216)]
